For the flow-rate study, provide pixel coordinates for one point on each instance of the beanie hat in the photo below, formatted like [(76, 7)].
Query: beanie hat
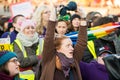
[(74, 16), (6, 56), (27, 23)]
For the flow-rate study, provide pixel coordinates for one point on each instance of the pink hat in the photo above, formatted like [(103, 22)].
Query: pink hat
[(27, 23)]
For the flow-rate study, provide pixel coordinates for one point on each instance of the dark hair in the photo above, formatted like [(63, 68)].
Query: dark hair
[(103, 20), (115, 18), (91, 14), (71, 27), (75, 16), (3, 69), (3, 21), (10, 25), (16, 17)]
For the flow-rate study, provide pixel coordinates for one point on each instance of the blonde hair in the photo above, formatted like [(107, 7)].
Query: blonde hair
[(37, 17)]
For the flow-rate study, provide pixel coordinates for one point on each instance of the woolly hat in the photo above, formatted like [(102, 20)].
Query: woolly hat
[(27, 23), (74, 16), (6, 56)]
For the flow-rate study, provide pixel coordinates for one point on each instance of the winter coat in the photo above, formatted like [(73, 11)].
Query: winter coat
[(6, 77), (49, 54), (93, 71)]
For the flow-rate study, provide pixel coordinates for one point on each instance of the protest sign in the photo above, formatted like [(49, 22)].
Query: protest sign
[(24, 8), (4, 44)]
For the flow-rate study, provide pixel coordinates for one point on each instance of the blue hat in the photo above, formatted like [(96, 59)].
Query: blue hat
[(6, 56)]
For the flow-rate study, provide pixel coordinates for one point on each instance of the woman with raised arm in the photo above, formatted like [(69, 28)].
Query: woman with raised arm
[(60, 61)]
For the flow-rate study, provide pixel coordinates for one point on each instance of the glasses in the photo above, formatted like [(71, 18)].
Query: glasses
[(14, 61)]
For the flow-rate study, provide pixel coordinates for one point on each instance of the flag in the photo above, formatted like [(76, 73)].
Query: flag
[(95, 32)]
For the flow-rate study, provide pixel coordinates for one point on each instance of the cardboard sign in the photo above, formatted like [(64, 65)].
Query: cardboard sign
[(4, 44), (24, 8)]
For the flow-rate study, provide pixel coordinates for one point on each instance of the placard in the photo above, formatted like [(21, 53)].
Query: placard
[(4, 44), (24, 8)]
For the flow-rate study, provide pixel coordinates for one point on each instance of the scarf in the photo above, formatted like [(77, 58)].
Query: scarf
[(5, 77), (27, 41), (65, 62)]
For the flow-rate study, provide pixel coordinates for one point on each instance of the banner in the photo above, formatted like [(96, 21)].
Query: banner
[(95, 32)]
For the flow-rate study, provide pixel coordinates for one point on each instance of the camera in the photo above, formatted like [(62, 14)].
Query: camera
[(71, 6)]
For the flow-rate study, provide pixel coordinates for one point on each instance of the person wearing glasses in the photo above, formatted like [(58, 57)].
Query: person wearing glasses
[(9, 66)]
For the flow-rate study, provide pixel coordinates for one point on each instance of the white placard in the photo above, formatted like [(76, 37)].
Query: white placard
[(4, 44), (4, 40), (24, 8)]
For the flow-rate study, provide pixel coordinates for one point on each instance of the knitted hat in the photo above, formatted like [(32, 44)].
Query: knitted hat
[(6, 56), (27, 23), (74, 16)]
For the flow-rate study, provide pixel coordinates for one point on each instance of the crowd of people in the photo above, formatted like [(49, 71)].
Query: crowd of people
[(41, 50)]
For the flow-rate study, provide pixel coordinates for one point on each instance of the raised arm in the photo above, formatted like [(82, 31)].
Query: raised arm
[(48, 48), (81, 43)]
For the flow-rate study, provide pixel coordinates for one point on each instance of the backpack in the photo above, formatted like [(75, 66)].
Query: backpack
[(112, 63)]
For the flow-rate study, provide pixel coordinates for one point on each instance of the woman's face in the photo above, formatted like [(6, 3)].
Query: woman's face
[(13, 66), (17, 25), (46, 15), (61, 28), (29, 31), (66, 48), (76, 22)]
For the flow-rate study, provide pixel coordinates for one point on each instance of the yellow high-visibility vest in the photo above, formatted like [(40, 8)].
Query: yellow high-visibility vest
[(38, 52), (91, 47), (28, 74)]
